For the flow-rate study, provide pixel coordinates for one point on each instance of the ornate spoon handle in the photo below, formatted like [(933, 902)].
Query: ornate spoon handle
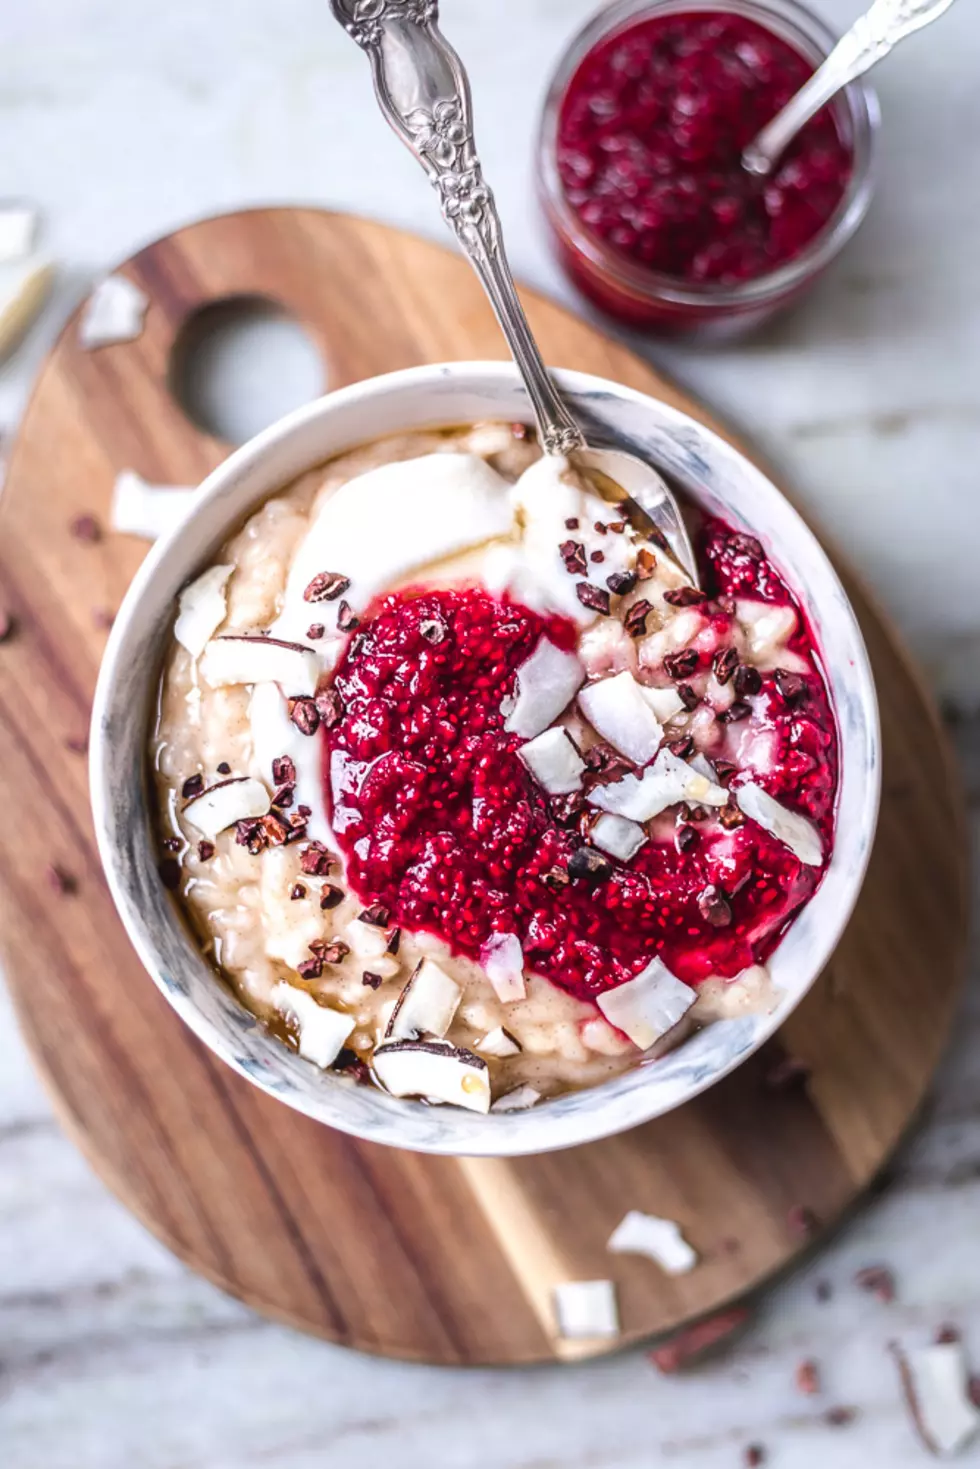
[(870, 38), (424, 93)]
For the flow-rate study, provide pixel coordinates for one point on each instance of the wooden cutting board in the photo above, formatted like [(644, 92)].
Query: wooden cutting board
[(437, 1259)]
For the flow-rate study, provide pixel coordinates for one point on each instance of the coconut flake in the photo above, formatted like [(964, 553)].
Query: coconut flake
[(114, 313), (240, 798), (253, 658), (498, 1043), (426, 1005), (519, 1100), (145, 510), (704, 767), (554, 761), (547, 682), (665, 703), (616, 708), (321, 1031), (202, 608), (667, 782), (788, 827), (618, 836), (367, 940), (585, 1308), (18, 226), (767, 628), (647, 1006), (659, 1239), (935, 1383), (24, 287), (503, 963), (434, 1070)]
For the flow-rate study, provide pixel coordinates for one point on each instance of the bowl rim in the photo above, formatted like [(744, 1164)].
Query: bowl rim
[(557, 1123)]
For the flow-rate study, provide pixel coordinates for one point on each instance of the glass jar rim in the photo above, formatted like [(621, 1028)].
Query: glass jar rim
[(793, 22)]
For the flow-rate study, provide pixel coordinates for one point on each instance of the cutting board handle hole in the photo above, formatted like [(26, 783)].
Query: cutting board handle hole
[(240, 363)]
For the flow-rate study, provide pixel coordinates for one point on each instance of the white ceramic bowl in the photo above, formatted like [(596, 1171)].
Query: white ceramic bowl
[(717, 477)]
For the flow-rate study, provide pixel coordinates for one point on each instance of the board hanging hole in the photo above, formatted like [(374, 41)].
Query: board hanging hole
[(240, 363)]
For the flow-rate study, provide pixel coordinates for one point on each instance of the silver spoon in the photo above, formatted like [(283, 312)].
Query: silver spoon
[(870, 38), (424, 92)]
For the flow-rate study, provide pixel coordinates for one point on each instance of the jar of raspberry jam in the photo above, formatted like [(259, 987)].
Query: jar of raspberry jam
[(639, 174)]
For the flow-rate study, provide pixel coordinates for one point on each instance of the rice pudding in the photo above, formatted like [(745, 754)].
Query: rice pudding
[(468, 792)]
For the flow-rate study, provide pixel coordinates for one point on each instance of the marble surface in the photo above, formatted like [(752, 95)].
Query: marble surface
[(122, 122)]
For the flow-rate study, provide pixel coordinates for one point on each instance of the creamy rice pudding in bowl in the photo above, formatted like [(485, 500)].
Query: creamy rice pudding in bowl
[(443, 804)]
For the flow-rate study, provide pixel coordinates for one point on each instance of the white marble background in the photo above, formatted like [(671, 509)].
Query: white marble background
[(123, 121)]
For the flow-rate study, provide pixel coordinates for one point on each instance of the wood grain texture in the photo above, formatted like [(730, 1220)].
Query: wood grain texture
[(426, 1258)]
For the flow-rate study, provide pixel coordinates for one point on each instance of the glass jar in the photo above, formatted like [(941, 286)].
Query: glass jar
[(641, 296)]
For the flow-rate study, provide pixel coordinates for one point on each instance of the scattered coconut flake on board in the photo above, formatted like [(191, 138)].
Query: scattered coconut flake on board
[(647, 1006), (434, 1070), (24, 287), (554, 762), (253, 658), (503, 962), (18, 226), (322, 1031), (518, 1100), (659, 1239), (426, 1005), (114, 313), (617, 709), (201, 609), (618, 836), (788, 827), (149, 511), (547, 682), (240, 798), (585, 1308), (935, 1384)]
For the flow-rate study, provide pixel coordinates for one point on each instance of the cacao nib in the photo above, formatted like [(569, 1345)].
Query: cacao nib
[(394, 942), (193, 786), (947, 1335), (284, 771), (373, 981), (688, 696), (595, 598), (724, 664), (597, 556), (714, 907), (433, 629), (249, 833), (589, 864), (224, 768), (304, 811), (685, 837), (687, 1345), (275, 829), (571, 523), (801, 1221), (335, 951), (878, 1281), (376, 914), (621, 582), (346, 619), (556, 878), (748, 681), (326, 586), (646, 564), (744, 545), (682, 748), (600, 528), (791, 686), (635, 621), (840, 1417), (305, 715), (350, 1064), (297, 891), (565, 809), (86, 528), (617, 527), (731, 817), (205, 850), (310, 968), (823, 1291), (682, 663), (315, 631), (315, 860), (808, 1378), (573, 555), (169, 870), (330, 707), (753, 1455), (331, 897), (684, 597), (734, 713)]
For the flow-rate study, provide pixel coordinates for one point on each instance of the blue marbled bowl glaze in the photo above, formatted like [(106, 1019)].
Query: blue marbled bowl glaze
[(717, 477)]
